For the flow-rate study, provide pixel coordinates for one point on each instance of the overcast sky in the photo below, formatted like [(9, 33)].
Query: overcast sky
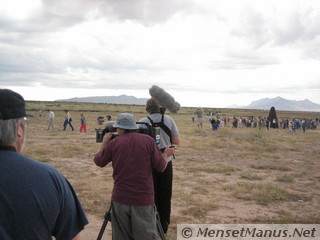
[(203, 52)]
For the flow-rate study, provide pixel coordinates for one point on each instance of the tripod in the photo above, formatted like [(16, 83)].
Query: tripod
[(107, 217)]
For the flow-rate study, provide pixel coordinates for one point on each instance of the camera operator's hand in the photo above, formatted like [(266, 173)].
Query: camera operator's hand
[(106, 138), (169, 151)]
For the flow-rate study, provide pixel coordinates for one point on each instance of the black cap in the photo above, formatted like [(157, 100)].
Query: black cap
[(12, 105)]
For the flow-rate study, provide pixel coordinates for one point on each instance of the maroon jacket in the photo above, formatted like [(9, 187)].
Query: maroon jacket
[(134, 157)]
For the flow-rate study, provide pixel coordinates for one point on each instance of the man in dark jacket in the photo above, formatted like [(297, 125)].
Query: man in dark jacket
[(36, 201)]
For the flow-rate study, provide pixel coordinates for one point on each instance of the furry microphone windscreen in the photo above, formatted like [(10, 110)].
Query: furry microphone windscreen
[(164, 99)]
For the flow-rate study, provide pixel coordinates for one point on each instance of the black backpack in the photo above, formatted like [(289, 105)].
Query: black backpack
[(162, 126)]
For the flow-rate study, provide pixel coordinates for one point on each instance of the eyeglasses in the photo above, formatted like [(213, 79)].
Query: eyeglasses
[(24, 121)]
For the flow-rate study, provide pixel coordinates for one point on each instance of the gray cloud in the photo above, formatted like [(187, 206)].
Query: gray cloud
[(56, 15), (262, 89), (293, 27), (23, 38), (312, 50), (147, 12), (253, 26), (43, 21), (235, 59), (298, 26), (27, 61)]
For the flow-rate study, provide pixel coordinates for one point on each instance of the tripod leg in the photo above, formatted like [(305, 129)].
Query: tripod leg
[(107, 217)]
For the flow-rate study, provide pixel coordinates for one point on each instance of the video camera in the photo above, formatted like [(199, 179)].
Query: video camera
[(101, 132), (153, 132)]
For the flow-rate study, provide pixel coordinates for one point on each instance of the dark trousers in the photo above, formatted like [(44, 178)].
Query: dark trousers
[(162, 195), (66, 122)]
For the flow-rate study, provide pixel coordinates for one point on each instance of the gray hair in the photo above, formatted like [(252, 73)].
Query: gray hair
[(8, 130)]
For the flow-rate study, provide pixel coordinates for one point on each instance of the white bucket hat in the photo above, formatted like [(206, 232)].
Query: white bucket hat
[(126, 121)]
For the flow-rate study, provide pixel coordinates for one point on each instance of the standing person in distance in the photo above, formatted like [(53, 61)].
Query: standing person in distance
[(40, 114), (50, 119), (199, 113), (169, 135), (134, 156), (36, 201), (68, 120), (83, 123)]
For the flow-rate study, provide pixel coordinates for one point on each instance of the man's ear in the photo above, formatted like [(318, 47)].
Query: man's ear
[(20, 131), (18, 144), (20, 137)]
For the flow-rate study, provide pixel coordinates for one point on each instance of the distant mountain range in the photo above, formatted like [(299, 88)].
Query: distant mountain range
[(281, 104), (265, 103), (122, 99)]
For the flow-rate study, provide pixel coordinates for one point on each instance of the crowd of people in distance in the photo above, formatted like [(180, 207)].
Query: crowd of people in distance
[(68, 120), (292, 125)]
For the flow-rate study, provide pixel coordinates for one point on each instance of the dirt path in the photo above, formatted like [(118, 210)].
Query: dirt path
[(92, 230)]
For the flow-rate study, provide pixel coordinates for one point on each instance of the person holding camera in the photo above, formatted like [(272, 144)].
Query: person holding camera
[(169, 135), (134, 157), (36, 201)]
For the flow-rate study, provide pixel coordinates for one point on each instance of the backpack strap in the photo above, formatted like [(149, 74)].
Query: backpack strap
[(162, 126)]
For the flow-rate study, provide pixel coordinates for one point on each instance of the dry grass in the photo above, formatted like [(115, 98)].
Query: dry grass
[(238, 175), (264, 193)]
